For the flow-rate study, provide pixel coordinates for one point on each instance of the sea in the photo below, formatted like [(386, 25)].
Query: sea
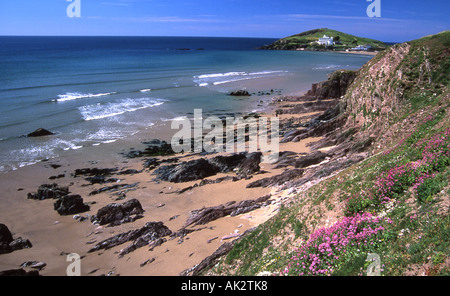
[(94, 91)]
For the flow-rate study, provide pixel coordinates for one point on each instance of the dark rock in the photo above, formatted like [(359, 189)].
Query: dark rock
[(116, 214), (19, 272), (250, 165), (70, 205), (336, 85), (5, 239), (147, 262), (310, 159), (34, 264), (40, 132), (101, 180), (286, 176), (226, 164), (129, 172), (8, 244), (114, 188), (206, 215), (154, 148), (140, 237), (49, 191), (285, 158), (240, 93), (156, 243), (95, 172), (186, 171), (57, 177), (20, 243)]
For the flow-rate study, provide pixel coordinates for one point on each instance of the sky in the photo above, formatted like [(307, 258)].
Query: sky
[(401, 20)]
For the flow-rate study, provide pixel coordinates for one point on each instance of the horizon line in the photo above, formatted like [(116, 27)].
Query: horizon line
[(169, 36)]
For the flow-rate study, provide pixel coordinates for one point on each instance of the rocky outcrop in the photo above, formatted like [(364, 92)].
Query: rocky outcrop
[(250, 165), (8, 244), (117, 214), (114, 188), (206, 215), (140, 237), (187, 171), (49, 191), (226, 164), (70, 205), (243, 164), (286, 176), (96, 175), (5, 239), (154, 148), (313, 158), (335, 87)]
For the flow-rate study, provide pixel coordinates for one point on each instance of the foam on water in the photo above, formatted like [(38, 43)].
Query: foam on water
[(105, 110), (228, 77), (70, 96)]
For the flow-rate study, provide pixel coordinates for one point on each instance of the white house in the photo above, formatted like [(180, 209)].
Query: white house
[(325, 40), (366, 47)]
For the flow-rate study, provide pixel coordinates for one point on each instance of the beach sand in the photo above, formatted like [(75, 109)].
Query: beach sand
[(54, 236)]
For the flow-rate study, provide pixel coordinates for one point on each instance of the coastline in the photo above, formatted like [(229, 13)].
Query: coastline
[(54, 236)]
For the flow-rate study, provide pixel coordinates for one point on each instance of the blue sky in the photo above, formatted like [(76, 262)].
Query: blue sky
[(400, 20)]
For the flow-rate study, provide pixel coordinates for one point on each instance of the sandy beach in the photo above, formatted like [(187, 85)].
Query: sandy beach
[(54, 236)]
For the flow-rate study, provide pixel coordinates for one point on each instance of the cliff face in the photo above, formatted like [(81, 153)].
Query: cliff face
[(389, 90)]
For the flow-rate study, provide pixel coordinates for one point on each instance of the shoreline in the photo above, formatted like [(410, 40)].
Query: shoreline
[(54, 236)]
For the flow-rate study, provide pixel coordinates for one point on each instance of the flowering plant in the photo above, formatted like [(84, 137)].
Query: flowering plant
[(329, 248)]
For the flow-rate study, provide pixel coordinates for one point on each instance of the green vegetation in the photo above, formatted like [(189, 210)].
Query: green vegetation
[(307, 40)]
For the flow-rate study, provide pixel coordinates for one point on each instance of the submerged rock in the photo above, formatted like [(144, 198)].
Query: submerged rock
[(40, 132), (240, 93)]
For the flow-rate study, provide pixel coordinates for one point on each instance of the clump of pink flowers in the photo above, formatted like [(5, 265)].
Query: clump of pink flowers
[(328, 247), (389, 185)]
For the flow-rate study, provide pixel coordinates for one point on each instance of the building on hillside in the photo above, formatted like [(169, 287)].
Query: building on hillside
[(325, 40), (366, 47)]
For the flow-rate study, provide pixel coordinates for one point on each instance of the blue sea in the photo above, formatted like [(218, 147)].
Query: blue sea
[(94, 91)]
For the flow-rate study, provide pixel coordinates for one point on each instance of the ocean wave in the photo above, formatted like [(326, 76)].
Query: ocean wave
[(331, 67), (145, 90), (222, 78), (75, 96), (99, 111)]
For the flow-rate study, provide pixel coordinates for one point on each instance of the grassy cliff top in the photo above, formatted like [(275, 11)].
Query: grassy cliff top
[(303, 40)]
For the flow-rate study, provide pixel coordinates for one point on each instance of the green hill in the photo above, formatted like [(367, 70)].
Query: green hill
[(307, 40)]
